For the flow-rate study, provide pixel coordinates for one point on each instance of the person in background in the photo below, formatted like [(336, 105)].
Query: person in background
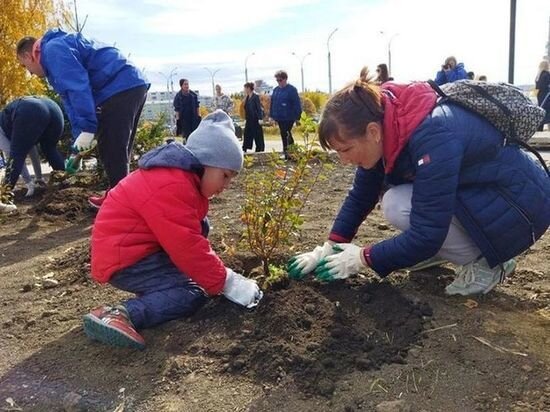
[(482, 78), (24, 123), (222, 101), (150, 236), (542, 84), (382, 74), (30, 184), (253, 131), (451, 71), (186, 106), (471, 75), (444, 179), (102, 93), (285, 109)]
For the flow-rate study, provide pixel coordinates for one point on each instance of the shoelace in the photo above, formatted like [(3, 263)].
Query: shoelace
[(466, 275), (502, 275)]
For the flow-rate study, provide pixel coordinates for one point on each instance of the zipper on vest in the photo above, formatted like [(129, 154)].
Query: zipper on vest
[(522, 213)]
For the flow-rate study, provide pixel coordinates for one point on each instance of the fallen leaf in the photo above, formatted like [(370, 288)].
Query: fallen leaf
[(471, 304)]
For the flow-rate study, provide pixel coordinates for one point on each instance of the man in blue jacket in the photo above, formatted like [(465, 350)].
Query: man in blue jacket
[(103, 94), (451, 71), (285, 108)]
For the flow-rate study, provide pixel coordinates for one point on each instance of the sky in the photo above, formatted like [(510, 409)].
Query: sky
[(187, 37)]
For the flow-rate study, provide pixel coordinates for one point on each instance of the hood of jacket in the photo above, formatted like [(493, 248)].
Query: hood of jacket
[(173, 155), (405, 107)]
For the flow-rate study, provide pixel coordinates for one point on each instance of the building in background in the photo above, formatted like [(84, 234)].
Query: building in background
[(262, 87)]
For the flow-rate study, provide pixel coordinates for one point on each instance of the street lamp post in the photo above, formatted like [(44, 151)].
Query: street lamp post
[(329, 67), (246, 67), (389, 50), (169, 83), (212, 74), (301, 60)]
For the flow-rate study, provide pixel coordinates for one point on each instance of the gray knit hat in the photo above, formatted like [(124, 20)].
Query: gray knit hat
[(214, 142)]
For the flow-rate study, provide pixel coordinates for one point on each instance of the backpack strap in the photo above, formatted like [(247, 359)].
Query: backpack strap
[(507, 112), (437, 89), (535, 152)]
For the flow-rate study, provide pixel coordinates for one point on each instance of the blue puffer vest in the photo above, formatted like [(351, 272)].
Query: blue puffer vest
[(458, 166)]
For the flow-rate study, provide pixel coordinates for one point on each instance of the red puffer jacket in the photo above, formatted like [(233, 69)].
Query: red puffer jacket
[(150, 210)]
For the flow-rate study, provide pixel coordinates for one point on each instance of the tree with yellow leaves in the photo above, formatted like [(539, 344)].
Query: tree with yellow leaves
[(21, 18)]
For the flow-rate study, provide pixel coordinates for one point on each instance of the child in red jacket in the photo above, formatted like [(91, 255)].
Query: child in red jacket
[(150, 236)]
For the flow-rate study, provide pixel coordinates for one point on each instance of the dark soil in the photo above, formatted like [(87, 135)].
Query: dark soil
[(345, 346)]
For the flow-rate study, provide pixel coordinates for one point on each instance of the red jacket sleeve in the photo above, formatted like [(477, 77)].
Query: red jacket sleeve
[(172, 215)]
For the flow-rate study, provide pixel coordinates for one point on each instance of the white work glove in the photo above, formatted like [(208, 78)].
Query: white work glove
[(300, 265), (30, 189), (341, 265), (6, 199), (241, 290), (84, 142)]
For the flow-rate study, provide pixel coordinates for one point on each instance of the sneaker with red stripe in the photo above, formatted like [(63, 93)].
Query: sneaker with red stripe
[(112, 325), (97, 201)]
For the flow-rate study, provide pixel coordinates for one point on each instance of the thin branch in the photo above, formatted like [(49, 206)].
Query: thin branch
[(440, 328)]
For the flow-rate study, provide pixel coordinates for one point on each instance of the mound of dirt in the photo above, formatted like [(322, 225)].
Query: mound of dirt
[(70, 203), (73, 266), (315, 333)]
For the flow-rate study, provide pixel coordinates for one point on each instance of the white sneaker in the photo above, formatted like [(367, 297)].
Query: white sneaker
[(428, 263), (30, 189), (40, 182), (477, 277)]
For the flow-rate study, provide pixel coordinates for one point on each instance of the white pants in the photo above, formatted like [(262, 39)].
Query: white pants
[(458, 247), (33, 154)]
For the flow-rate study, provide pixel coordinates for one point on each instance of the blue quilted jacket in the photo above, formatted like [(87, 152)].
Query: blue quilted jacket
[(285, 104), (458, 166)]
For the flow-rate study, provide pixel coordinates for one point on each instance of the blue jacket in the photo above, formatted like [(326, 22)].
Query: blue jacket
[(458, 166), (85, 74), (285, 104), (458, 73)]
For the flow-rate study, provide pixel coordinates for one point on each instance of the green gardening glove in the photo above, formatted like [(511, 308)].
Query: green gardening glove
[(347, 260), (300, 265), (72, 164)]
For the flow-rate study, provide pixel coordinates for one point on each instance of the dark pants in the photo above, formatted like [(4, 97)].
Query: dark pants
[(118, 119), (285, 127), (187, 125), (36, 121), (544, 102), (163, 293), (253, 132)]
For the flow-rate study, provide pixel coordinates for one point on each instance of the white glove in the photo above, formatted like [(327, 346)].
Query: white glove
[(341, 265), (84, 142), (30, 189), (241, 290), (300, 265), (7, 207)]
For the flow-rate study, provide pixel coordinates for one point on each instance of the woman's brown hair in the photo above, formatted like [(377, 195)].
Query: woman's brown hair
[(350, 110)]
